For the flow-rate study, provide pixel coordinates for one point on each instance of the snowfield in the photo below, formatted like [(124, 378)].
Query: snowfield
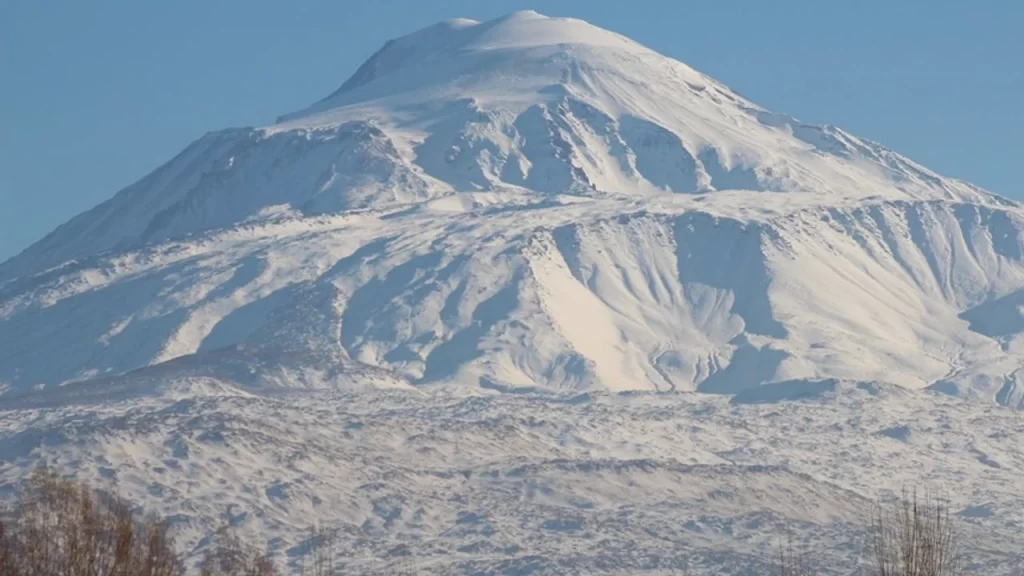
[(591, 483), (525, 297)]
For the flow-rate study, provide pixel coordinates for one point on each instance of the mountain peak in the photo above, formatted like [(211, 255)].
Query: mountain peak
[(519, 107), (527, 29), (466, 49), (523, 15)]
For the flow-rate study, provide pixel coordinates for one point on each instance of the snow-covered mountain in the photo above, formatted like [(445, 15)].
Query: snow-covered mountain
[(529, 205), (533, 202)]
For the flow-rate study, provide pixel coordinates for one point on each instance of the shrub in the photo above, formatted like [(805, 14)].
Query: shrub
[(916, 537)]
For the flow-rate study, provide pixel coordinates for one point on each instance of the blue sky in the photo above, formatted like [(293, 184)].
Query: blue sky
[(95, 94)]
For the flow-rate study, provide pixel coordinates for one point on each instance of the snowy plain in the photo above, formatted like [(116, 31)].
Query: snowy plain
[(525, 297)]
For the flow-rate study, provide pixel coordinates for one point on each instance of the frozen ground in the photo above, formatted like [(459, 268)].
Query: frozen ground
[(524, 294)]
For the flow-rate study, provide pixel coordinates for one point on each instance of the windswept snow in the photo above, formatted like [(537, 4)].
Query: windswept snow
[(522, 294)]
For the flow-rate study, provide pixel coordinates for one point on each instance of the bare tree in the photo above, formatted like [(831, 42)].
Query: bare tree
[(229, 557), (62, 527), (318, 555), (915, 537), (7, 563), (405, 567), (792, 562)]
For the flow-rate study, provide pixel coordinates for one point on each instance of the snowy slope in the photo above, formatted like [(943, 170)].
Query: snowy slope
[(532, 202), (484, 221), (679, 292), (526, 101), (657, 484)]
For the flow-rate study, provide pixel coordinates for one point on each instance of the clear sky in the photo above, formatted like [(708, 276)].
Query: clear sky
[(94, 94)]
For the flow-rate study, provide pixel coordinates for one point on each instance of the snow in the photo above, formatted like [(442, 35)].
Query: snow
[(509, 270), (678, 292), (592, 483)]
